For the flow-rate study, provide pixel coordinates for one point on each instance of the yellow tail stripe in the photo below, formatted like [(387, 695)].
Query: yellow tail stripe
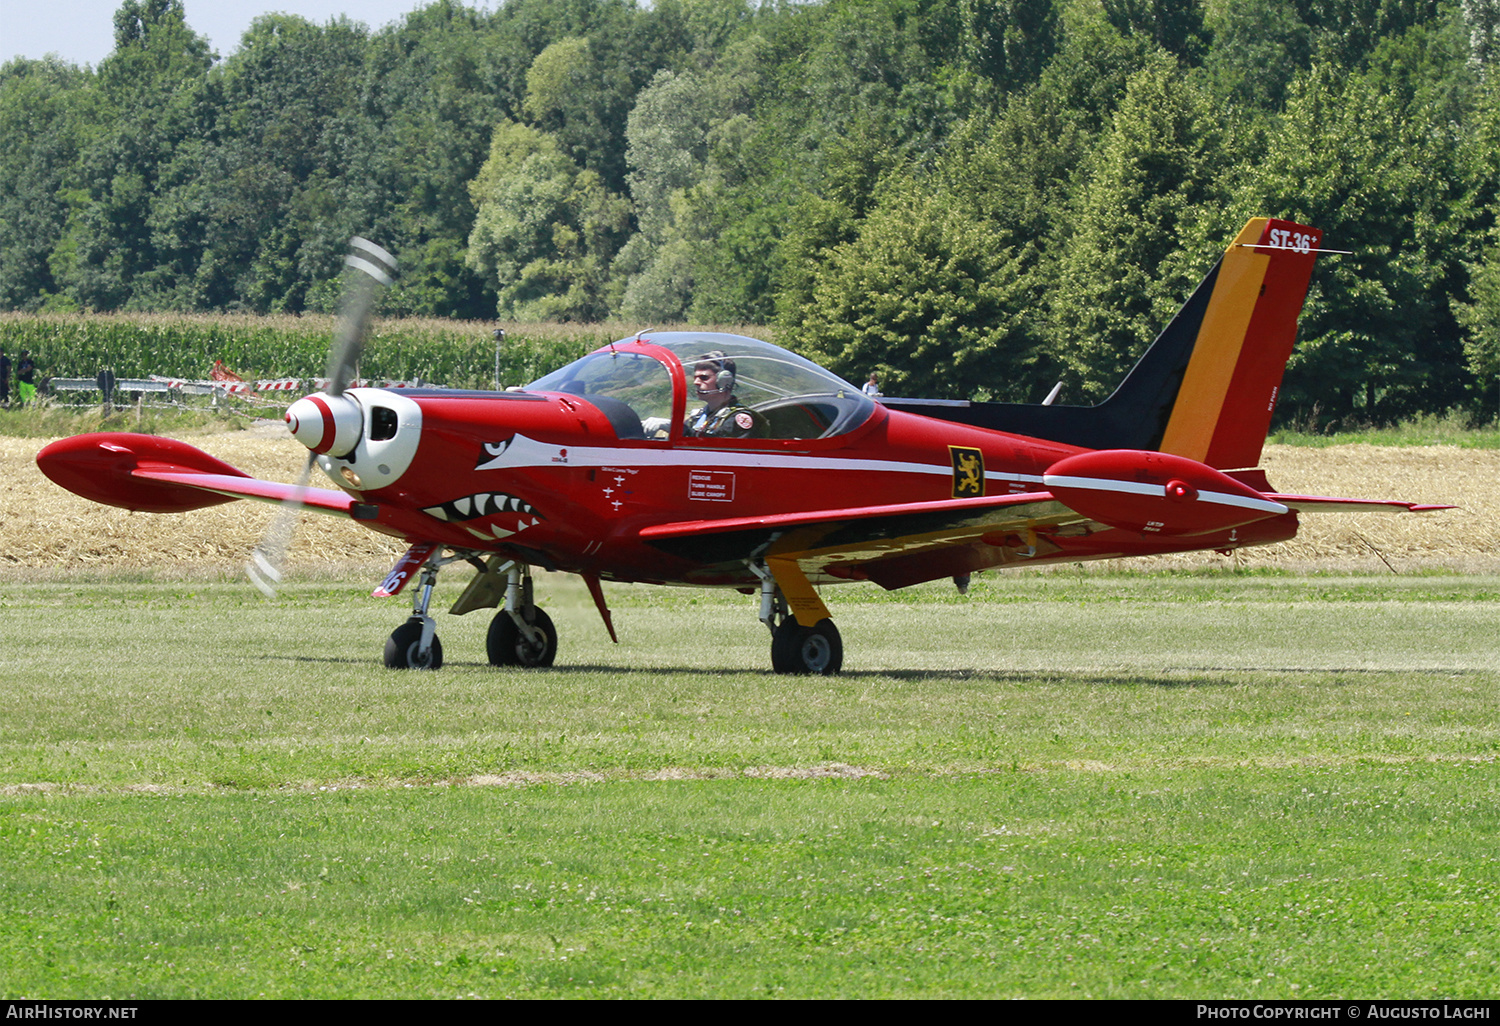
[(1217, 353)]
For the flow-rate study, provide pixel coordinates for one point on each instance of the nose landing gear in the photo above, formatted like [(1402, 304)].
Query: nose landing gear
[(415, 645), (520, 634)]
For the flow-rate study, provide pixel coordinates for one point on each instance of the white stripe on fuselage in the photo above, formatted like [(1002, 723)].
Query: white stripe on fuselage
[(528, 452)]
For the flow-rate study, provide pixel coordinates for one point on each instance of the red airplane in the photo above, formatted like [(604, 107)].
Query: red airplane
[(714, 460)]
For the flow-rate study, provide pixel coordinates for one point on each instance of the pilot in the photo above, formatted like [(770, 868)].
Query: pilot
[(722, 415)]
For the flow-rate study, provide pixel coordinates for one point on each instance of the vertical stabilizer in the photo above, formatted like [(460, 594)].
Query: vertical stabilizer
[(1228, 393), (1206, 388)]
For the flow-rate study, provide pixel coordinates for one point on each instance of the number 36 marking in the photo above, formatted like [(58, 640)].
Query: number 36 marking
[(1300, 242)]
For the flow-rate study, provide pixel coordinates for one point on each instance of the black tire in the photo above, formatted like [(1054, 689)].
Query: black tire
[(507, 646), (401, 648), (817, 650)]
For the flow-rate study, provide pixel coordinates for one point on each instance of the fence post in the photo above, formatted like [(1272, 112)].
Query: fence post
[(106, 382)]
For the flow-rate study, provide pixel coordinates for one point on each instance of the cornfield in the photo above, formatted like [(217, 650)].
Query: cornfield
[(452, 353)]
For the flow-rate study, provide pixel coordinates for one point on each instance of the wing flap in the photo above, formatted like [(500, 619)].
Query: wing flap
[(893, 545), (943, 508)]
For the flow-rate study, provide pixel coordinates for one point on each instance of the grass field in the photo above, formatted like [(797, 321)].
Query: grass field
[(1106, 785)]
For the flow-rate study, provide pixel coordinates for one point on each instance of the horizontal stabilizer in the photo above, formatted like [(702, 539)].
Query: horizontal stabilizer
[(1324, 504), (1156, 493)]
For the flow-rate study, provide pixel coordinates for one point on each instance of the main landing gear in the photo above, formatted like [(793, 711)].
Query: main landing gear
[(804, 639), (521, 634), (817, 650)]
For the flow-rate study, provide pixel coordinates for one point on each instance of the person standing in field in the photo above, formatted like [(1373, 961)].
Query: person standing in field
[(25, 378), (4, 378)]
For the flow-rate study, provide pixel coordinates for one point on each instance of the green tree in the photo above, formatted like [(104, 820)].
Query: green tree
[(152, 100), (685, 135), (1008, 43), (1259, 47), (1480, 316), (434, 87), (928, 296), (1348, 31), (546, 229), (42, 121), (285, 105), (1174, 25), (1377, 338), (1122, 270)]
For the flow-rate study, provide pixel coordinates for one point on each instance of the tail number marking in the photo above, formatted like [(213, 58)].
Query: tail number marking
[(1297, 242)]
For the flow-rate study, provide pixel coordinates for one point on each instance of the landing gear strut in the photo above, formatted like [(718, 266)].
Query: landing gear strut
[(815, 650), (521, 634), (415, 645)]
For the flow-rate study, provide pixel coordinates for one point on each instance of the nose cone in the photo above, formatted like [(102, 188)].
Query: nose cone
[(329, 425)]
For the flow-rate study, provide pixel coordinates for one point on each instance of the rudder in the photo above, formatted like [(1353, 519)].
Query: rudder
[(1206, 387), (1229, 390)]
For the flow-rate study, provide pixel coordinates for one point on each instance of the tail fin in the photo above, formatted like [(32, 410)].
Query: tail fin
[(1207, 386), (1223, 409)]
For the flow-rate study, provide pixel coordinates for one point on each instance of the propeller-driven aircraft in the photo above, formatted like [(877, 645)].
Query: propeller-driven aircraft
[(714, 460)]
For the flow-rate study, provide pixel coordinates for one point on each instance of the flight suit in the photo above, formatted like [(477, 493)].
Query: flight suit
[(733, 420)]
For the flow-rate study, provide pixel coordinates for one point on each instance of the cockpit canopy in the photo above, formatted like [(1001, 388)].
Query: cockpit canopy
[(631, 384)]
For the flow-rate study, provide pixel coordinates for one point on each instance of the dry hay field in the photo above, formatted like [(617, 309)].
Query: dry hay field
[(48, 533)]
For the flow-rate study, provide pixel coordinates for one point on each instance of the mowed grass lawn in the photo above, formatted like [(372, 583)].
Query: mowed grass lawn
[(1086, 785)]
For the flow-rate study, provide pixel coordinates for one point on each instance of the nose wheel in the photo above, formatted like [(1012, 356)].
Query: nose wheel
[(415, 645), (404, 649)]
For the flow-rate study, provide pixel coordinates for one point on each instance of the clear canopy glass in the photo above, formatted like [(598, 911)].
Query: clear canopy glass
[(795, 397)]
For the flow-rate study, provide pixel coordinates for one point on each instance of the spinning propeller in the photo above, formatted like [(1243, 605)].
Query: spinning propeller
[(327, 422)]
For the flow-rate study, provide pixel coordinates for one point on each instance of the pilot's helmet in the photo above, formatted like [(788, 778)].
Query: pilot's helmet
[(722, 365)]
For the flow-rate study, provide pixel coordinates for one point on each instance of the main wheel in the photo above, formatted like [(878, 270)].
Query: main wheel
[(507, 646), (798, 649), (401, 648)]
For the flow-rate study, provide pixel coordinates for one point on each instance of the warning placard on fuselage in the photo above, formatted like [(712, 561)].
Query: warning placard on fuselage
[(711, 485)]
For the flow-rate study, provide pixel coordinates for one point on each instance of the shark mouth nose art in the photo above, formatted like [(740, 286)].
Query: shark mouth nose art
[(514, 515)]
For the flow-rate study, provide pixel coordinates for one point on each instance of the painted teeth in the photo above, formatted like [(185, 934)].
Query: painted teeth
[(481, 504)]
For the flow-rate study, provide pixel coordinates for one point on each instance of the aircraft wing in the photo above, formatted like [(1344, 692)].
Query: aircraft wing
[(893, 545), (906, 543), (319, 500), (159, 475)]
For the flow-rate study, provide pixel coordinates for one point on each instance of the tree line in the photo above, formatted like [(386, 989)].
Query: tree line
[(972, 198)]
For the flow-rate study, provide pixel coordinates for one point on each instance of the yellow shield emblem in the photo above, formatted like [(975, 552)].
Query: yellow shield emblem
[(968, 472)]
